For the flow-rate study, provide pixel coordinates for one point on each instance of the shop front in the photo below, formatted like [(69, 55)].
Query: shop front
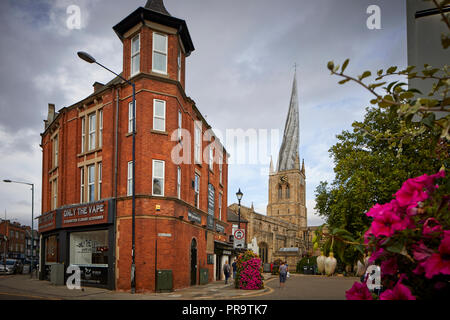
[(81, 237)]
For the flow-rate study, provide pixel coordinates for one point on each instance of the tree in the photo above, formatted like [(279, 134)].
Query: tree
[(369, 170)]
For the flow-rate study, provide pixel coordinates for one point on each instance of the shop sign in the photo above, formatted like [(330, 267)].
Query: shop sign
[(94, 275), (88, 214), (226, 253), (220, 228), (195, 217), (210, 219), (47, 222)]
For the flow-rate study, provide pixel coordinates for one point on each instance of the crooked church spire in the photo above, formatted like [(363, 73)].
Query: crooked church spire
[(289, 147)]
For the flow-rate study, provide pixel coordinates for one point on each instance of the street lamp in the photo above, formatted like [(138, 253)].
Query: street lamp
[(32, 219), (88, 58), (239, 195)]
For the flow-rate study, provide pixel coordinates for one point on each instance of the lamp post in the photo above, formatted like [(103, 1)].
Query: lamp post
[(32, 219), (239, 195), (88, 58)]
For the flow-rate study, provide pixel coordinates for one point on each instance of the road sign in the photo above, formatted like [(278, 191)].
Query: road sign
[(239, 238)]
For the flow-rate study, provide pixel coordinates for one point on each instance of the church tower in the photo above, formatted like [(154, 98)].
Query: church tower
[(287, 186)]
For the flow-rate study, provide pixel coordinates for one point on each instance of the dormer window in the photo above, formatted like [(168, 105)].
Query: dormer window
[(159, 53), (135, 55)]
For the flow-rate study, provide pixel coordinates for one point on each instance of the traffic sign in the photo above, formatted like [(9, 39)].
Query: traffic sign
[(239, 238)]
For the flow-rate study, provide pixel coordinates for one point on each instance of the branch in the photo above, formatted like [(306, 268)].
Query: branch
[(444, 17)]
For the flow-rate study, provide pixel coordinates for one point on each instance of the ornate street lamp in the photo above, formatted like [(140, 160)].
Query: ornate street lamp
[(239, 195)]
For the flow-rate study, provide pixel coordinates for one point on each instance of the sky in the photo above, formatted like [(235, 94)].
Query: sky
[(240, 76)]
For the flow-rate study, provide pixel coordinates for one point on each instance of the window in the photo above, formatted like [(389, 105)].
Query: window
[(100, 128), (288, 192), (55, 151), (220, 168), (179, 64), (17, 236), (159, 53), (197, 144), (211, 158), (130, 179), (82, 185), (180, 124), (159, 115), (158, 178), (179, 182), (91, 183), (92, 125), (99, 188), (55, 193), (89, 249), (197, 191), (280, 192), (135, 55), (220, 206), (83, 134), (11, 234), (130, 116)]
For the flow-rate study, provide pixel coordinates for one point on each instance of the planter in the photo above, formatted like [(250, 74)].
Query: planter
[(321, 263), (330, 264)]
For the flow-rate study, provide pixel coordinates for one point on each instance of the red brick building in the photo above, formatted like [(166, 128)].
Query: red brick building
[(181, 203), (13, 240)]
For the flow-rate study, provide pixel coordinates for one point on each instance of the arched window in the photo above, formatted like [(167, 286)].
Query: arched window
[(280, 192), (288, 192)]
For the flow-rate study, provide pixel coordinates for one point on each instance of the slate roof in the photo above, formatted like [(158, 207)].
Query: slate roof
[(157, 6), (289, 147)]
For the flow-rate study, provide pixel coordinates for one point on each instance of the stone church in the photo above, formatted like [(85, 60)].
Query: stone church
[(283, 233)]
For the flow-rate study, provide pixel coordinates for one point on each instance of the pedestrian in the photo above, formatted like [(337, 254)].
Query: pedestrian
[(226, 271), (234, 266), (283, 273)]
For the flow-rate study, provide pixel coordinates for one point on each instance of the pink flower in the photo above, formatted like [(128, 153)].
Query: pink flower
[(421, 251), (412, 190), (389, 266), (399, 292), (438, 262), (429, 229), (358, 291), (387, 223), (377, 254)]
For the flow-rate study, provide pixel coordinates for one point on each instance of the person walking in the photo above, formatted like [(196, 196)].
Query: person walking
[(283, 273), (234, 266), (226, 271)]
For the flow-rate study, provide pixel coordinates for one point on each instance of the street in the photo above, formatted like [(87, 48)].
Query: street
[(306, 287), (297, 287)]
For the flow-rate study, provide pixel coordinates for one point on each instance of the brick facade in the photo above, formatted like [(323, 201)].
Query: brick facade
[(62, 183)]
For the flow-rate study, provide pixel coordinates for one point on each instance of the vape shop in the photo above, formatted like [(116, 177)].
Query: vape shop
[(80, 236)]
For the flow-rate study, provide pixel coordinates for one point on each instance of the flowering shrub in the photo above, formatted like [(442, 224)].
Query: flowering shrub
[(410, 240), (249, 272)]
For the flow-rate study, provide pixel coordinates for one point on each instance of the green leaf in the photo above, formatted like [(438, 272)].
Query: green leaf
[(390, 85), (365, 75), (344, 65), (429, 120), (391, 70), (344, 81), (330, 65)]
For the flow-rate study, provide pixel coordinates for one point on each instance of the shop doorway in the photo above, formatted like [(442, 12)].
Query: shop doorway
[(193, 262)]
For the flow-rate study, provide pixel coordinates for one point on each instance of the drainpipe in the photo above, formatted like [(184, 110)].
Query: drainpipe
[(116, 155)]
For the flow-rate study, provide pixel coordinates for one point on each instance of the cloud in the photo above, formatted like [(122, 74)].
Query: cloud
[(240, 74)]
